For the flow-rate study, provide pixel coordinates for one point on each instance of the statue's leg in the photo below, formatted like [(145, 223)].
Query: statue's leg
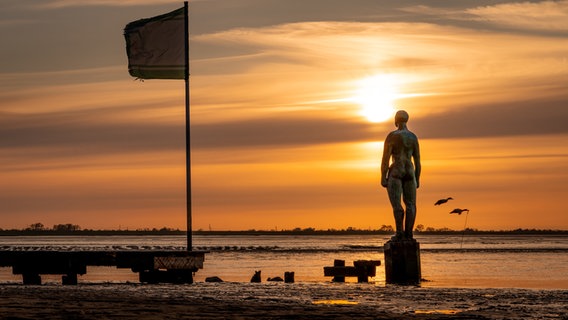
[(394, 189), (409, 198)]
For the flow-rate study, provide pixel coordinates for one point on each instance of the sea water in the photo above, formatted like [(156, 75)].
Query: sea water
[(487, 261)]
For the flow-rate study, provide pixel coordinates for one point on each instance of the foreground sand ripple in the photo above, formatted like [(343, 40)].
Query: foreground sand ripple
[(276, 301)]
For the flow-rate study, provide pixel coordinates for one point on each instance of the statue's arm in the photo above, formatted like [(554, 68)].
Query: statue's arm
[(417, 165), (387, 149)]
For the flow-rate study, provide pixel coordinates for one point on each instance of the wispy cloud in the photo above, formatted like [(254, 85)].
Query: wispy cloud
[(450, 68), (16, 22), (438, 12), (546, 15), (111, 3)]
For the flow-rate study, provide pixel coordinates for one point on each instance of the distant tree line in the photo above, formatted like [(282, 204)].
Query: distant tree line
[(384, 229), (39, 228), (73, 229)]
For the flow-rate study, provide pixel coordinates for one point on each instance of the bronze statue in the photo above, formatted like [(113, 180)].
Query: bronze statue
[(402, 177)]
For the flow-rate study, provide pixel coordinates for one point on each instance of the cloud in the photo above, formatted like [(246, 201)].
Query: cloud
[(320, 53), (439, 12), (267, 89), (514, 118), (281, 132), (546, 15), (17, 22), (72, 136), (87, 132), (227, 15), (449, 69), (55, 4), (272, 97)]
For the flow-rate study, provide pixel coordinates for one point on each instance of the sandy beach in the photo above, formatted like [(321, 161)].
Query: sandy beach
[(276, 301)]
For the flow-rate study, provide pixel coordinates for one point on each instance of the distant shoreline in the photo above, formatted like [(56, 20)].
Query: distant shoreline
[(269, 232)]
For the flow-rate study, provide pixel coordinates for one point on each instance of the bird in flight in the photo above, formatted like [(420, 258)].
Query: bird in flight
[(442, 201), (459, 211)]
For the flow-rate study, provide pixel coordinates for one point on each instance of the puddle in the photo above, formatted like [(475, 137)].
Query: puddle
[(437, 311), (334, 302)]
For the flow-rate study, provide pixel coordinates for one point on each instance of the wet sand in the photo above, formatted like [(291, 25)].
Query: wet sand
[(275, 301)]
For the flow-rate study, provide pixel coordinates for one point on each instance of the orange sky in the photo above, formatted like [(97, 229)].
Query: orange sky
[(283, 99)]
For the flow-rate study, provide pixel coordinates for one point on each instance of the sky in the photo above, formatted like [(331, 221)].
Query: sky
[(290, 105)]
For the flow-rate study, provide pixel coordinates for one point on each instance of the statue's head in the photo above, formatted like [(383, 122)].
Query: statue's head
[(400, 117)]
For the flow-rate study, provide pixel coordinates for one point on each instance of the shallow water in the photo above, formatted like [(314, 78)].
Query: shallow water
[(494, 261)]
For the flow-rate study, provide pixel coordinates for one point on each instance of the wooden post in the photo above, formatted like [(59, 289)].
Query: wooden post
[(338, 263), (362, 270), (69, 279), (31, 278), (402, 262), (289, 277)]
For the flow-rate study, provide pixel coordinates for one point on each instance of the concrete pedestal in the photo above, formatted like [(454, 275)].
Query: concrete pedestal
[(402, 262)]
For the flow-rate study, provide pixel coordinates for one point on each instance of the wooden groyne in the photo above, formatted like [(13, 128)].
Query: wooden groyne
[(153, 266)]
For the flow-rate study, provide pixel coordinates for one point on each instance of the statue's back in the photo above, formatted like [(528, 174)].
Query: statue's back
[(403, 145)]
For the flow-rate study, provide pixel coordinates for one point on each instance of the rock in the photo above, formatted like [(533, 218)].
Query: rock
[(256, 277), (213, 279), (277, 279)]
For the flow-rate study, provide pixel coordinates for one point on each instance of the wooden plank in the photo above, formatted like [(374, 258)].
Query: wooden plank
[(367, 263), (369, 266), (71, 263), (43, 262), (346, 271)]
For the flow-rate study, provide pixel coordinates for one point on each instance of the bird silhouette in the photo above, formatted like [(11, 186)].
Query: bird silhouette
[(442, 201), (459, 211)]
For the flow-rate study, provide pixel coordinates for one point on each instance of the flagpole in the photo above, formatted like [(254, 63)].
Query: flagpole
[(187, 125)]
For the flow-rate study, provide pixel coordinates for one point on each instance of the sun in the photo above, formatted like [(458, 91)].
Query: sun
[(376, 96)]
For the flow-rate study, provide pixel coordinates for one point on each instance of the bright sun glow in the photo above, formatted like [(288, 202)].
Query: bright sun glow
[(376, 95)]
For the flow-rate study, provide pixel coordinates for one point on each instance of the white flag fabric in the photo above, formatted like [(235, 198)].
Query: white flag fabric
[(156, 46)]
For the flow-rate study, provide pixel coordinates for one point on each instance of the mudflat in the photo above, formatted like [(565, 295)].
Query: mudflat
[(236, 300)]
